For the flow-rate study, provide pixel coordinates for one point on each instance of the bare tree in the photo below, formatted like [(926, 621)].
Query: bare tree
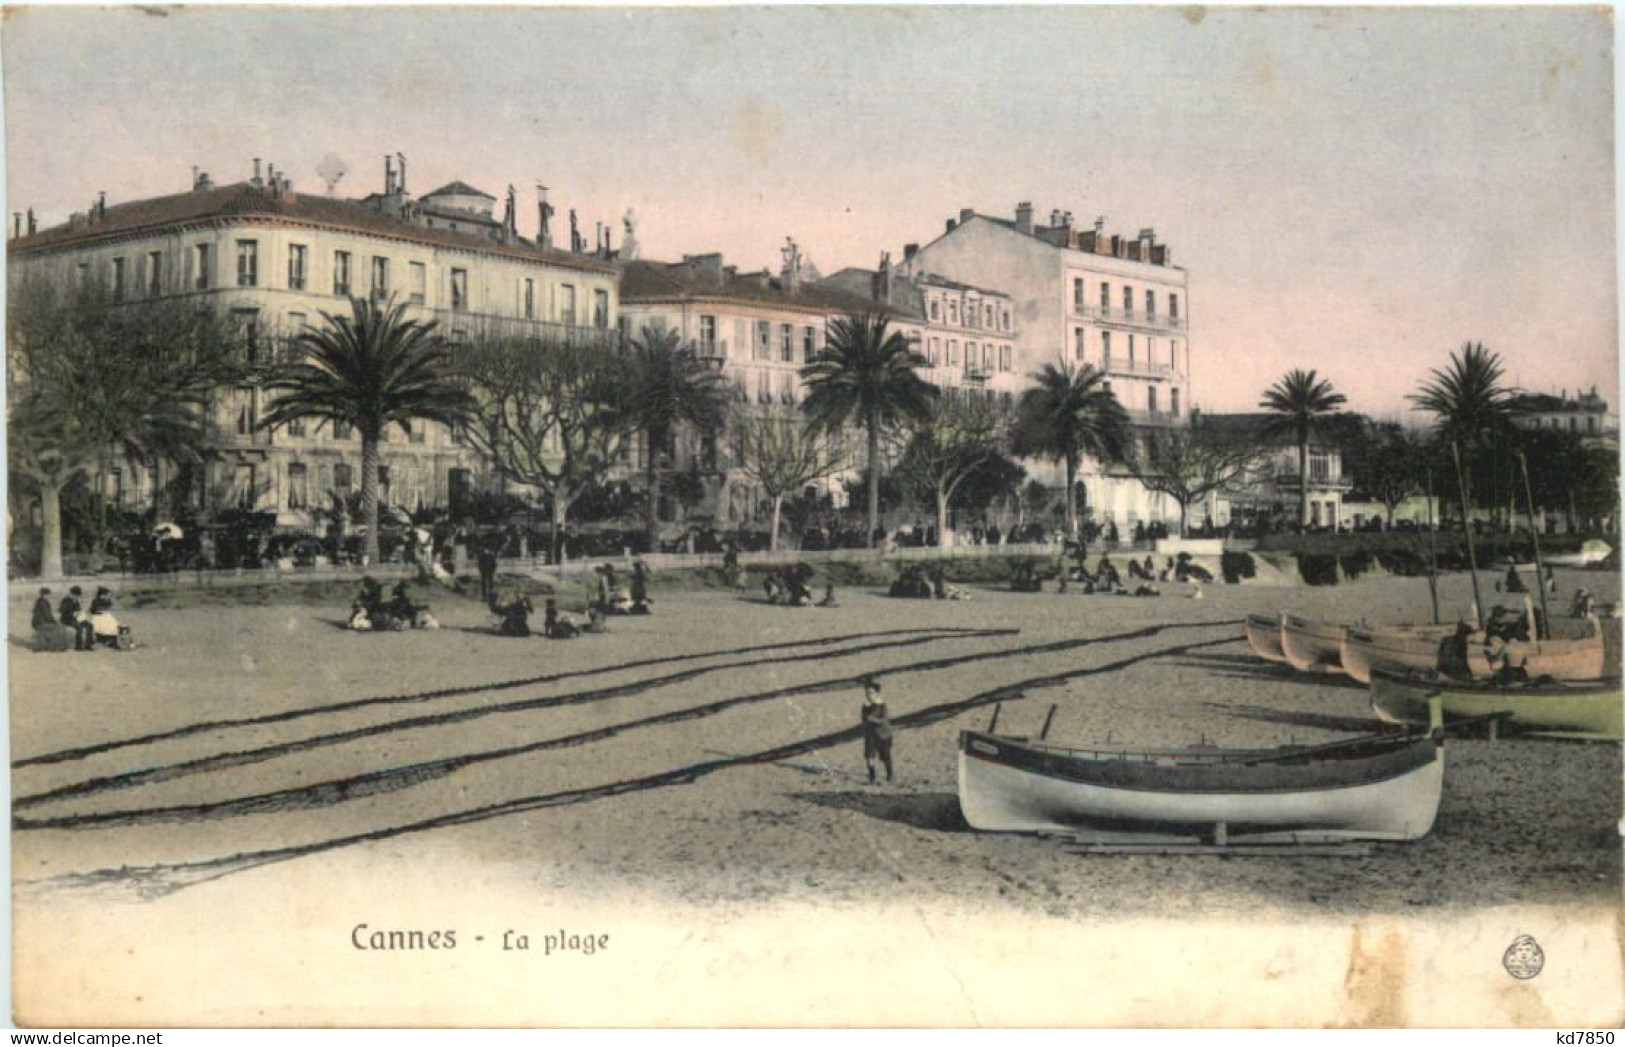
[(1189, 464), (781, 455), (946, 445), (549, 414)]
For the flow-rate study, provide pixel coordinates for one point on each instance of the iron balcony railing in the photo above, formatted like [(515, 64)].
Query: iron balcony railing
[(1130, 317)]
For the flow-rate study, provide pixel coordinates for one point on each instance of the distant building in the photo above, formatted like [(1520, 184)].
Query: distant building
[(1082, 296), (1586, 415), (273, 260), (965, 333), (757, 329), (1273, 492)]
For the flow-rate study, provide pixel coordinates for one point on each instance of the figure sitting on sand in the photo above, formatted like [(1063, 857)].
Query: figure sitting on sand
[(829, 597), (597, 621), (556, 626), (1512, 583), (105, 630), (49, 634), (1582, 606), (1106, 576), (515, 615), (1024, 577), (1136, 572)]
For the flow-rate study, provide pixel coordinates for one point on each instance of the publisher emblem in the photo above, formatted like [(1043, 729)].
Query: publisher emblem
[(1523, 958)]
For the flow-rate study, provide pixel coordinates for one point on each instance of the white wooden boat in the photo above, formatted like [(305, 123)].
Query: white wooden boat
[(1264, 637), (1572, 657), (1312, 646), (1380, 787)]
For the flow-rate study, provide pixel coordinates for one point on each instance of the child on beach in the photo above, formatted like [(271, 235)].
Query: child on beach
[(877, 733)]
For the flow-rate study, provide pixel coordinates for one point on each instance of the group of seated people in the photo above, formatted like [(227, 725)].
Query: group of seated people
[(792, 587), (72, 623), (370, 612), (514, 619), (917, 582), (613, 597)]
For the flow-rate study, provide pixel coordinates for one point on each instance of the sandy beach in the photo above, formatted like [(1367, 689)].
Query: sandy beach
[(707, 758)]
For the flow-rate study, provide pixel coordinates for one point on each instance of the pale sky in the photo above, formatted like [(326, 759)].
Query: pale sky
[(1356, 190)]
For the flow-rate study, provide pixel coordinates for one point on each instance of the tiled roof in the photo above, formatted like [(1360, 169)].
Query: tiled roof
[(647, 281), (245, 201), (459, 189), (906, 300)]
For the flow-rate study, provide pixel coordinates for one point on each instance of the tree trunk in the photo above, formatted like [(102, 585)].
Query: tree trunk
[(1071, 496), (561, 505), (874, 480), (652, 486), (942, 517), (773, 535), (369, 495), (1183, 510), (50, 500), (1303, 484)]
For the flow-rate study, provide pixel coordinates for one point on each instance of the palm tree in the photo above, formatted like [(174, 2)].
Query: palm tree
[(1469, 406), (1067, 414), (371, 369), (866, 374), (670, 386), (1298, 401)]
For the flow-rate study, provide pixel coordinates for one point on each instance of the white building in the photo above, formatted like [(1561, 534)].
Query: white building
[(273, 260), (1080, 295), (965, 333)]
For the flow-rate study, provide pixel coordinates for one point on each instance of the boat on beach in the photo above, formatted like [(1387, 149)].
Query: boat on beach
[(1400, 650), (1376, 787), (1556, 709), (1264, 637), (1312, 646), (1579, 652)]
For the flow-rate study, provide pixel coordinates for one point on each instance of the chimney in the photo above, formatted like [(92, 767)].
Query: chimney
[(1055, 216), (389, 174), (257, 181), (909, 251), (400, 173), (16, 224), (101, 204), (194, 178), (951, 224), (880, 286), (1024, 217), (33, 225), (205, 183)]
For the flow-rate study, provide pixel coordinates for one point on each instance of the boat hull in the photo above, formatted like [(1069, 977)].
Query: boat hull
[(1400, 650), (1311, 646), (1590, 711), (1579, 659), (1395, 797), (1264, 637)]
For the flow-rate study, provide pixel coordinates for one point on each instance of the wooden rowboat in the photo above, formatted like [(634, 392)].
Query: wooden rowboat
[(1576, 658), (1379, 787), (1311, 646), (1400, 650), (1264, 637), (1589, 710)]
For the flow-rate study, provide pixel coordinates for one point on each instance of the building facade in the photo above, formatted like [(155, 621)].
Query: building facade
[(273, 261), (1585, 415), (965, 334), (758, 330), (1082, 296), (1272, 493)]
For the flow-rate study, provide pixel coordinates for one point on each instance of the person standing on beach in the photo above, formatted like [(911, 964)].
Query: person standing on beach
[(876, 729)]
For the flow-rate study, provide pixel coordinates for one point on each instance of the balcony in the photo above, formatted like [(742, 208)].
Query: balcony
[(1131, 317), (457, 324), (1140, 368), (1286, 478), (1137, 416)]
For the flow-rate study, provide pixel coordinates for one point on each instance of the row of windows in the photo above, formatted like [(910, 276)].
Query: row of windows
[(977, 314), (1152, 400), (1079, 302), (982, 357), (381, 286)]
